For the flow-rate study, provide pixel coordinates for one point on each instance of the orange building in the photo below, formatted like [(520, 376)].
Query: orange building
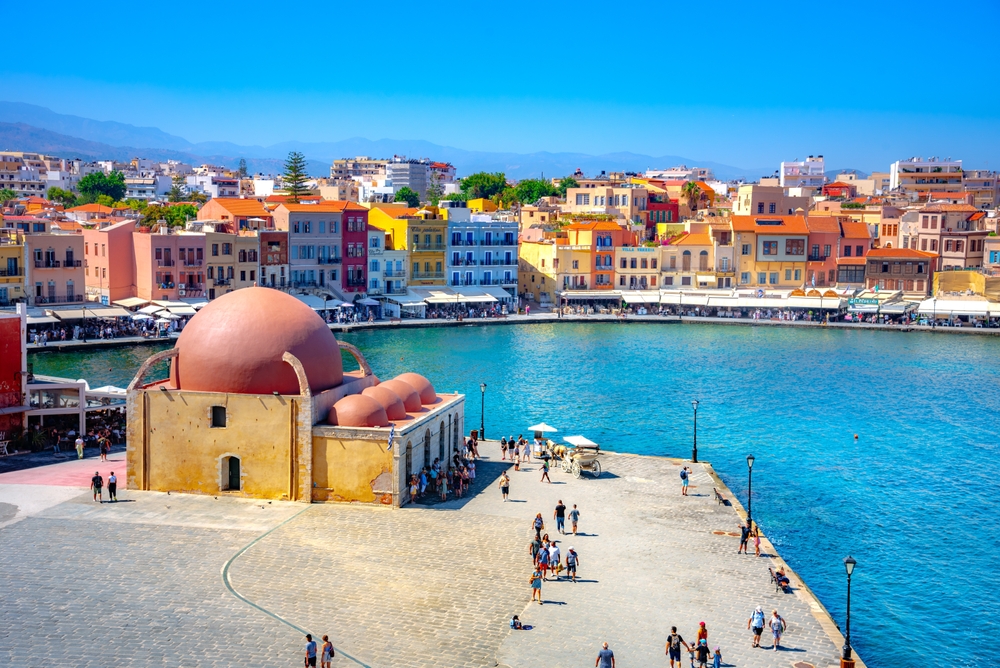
[(245, 214), (602, 237)]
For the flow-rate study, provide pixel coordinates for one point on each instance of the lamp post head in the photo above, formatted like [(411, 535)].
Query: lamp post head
[(694, 404), (849, 564), (482, 387), (750, 461)]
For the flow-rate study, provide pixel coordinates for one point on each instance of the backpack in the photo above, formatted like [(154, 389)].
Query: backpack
[(684, 474)]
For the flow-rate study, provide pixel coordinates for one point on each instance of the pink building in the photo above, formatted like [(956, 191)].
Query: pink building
[(168, 263), (110, 262), (824, 245), (54, 268)]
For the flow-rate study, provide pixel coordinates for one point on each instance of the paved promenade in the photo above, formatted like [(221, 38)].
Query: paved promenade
[(140, 582)]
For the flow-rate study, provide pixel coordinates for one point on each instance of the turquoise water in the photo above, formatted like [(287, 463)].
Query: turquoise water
[(910, 499)]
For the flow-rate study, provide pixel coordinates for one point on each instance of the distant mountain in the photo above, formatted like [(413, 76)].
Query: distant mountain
[(117, 139), (831, 174)]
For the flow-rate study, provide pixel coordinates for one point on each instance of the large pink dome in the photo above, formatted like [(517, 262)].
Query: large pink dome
[(235, 344), (358, 410)]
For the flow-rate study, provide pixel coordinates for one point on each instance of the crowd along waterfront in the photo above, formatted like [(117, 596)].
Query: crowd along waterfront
[(910, 498)]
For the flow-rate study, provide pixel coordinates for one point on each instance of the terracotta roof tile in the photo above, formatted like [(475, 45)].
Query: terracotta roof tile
[(900, 253), (694, 240), (854, 230), (823, 224), (771, 224)]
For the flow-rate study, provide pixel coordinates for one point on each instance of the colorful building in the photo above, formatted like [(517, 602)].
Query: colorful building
[(54, 268), (422, 234), (355, 221), (905, 269), (274, 268), (601, 238), (771, 250), (11, 267), (110, 262), (243, 214), (315, 240)]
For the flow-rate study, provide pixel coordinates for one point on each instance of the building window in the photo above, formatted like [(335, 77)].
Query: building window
[(746, 249), (847, 251), (771, 207), (744, 277), (774, 278), (798, 274), (576, 264), (795, 246), (762, 278), (668, 280), (760, 207), (685, 280), (218, 416), (215, 250), (624, 262), (770, 247), (788, 274)]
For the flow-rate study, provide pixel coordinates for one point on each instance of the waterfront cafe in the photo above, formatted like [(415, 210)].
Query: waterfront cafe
[(956, 312), (732, 303), (68, 405), (882, 302), (598, 300)]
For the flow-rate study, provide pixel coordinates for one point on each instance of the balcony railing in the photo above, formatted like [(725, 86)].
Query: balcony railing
[(501, 263), (73, 263), (392, 273), (12, 272), (498, 242), (59, 299), (396, 291), (303, 284), (425, 248), (818, 258), (463, 281), (223, 281), (428, 274), (499, 281), (165, 263), (192, 263), (463, 242), (47, 264), (462, 262), (374, 291), (329, 260), (355, 283)]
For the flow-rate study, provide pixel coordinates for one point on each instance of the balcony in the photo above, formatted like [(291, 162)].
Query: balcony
[(355, 283), (423, 275), (498, 242), (303, 284), (11, 272), (47, 264), (166, 285), (461, 263), (374, 291), (329, 260), (396, 290), (818, 258), (223, 281), (164, 263), (59, 299), (499, 281), (463, 242), (192, 263), (500, 263), (427, 248)]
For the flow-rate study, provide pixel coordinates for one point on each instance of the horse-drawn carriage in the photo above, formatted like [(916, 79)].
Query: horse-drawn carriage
[(581, 457)]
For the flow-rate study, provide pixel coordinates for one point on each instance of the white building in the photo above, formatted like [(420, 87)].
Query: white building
[(930, 175), (809, 173), (481, 251), (413, 174), (681, 173), (146, 185), (214, 185)]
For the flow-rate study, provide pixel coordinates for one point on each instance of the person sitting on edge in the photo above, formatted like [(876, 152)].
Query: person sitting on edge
[(782, 579), (515, 623)]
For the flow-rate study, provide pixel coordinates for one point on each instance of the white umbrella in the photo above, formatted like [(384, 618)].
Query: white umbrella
[(141, 316), (167, 315), (542, 427), (162, 321), (368, 301), (150, 310), (579, 441)]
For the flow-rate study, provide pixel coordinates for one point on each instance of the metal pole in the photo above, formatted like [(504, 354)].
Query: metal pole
[(847, 638), (694, 448), (750, 498), (482, 416)]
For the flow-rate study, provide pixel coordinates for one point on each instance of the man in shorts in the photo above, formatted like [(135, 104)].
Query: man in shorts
[(674, 642), (572, 559), (756, 624), (574, 517), (560, 517), (685, 479), (97, 484), (605, 658), (310, 650), (744, 537)]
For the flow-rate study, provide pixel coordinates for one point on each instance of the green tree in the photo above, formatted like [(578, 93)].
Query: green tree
[(176, 189), (6, 195), (176, 216), (692, 191), (98, 183), (409, 196), (459, 197), (64, 197), (105, 200), (530, 191), (484, 184), (295, 176), (566, 183), (505, 198), (135, 204), (243, 169), (435, 190)]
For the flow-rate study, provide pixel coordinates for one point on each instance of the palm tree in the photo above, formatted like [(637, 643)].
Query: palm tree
[(693, 192)]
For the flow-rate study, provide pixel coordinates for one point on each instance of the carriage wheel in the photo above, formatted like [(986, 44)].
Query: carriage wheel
[(597, 469), (576, 470), (566, 465)]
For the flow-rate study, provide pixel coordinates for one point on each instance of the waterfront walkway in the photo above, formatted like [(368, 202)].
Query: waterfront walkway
[(141, 582)]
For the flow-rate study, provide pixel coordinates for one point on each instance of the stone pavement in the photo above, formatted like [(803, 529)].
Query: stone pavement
[(140, 582)]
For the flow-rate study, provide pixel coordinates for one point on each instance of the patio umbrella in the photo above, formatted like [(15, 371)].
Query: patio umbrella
[(162, 321), (368, 301), (542, 427), (141, 316), (579, 441)]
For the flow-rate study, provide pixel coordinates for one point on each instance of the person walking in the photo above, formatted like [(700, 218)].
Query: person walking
[(105, 448), (310, 650), (555, 559), (574, 517), (560, 517), (504, 485), (703, 653), (536, 586), (717, 658), (543, 559), (756, 624), (702, 632), (97, 484), (516, 456), (674, 642), (744, 537), (545, 471), (113, 487), (79, 446), (328, 653), (534, 548), (503, 448), (605, 658), (685, 477), (756, 540), (572, 560), (538, 524), (778, 627)]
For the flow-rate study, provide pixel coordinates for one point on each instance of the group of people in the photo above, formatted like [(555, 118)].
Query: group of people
[(699, 650), (546, 556), (325, 653), (97, 487), (455, 311), (519, 450), (102, 328), (439, 481)]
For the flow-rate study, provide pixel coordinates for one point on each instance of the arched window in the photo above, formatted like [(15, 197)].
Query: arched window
[(686, 261), (703, 261)]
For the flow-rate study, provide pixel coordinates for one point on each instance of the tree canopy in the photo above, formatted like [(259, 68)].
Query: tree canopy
[(243, 168), (295, 176), (64, 197), (6, 194), (435, 190), (409, 196), (530, 191), (95, 184), (176, 216), (483, 184), (567, 183), (176, 189)]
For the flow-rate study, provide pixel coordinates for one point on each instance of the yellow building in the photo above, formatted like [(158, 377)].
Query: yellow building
[(422, 234), (481, 205), (771, 250), (688, 262), (552, 265), (11, 266), (259, 406)]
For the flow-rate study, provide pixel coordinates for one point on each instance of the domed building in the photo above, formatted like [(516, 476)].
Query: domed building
[(257, 403)]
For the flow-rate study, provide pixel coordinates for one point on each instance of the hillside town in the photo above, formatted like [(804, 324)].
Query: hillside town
[(143, 245)]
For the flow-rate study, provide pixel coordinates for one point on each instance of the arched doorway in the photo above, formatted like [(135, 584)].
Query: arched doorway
[(231, 474)]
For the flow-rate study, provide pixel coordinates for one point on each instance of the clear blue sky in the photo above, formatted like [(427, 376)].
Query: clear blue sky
[(747, 84)]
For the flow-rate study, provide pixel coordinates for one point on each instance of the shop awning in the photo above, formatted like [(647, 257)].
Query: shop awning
[(42, 320), (705, 278), (641, 296), (899, 308), (167, 304), (150, 310), (80, 314), (684, 298), (498, 292), (130, 302), (409, 299), (946, 307), (182, 310), (590, 294)]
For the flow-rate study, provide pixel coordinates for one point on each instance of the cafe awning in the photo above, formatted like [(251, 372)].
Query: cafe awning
[(409, 299), (81, 313), (130, 302), (590, 294), (498, 292), (705, 278), (641, 296), (946, 307), (42, 320), (150, 310), (182, 310)]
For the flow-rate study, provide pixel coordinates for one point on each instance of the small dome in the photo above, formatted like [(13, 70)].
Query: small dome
[(421, 385), (411, 400), (357, 410), (236, 342), (390, 401)]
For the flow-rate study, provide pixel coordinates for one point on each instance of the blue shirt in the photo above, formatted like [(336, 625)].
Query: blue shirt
[(311, 648), (605, 655)]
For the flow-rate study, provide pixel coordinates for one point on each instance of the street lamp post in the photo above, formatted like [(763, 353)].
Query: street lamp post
[(482, 411), (846, 661), (694, 448), (750, 460)]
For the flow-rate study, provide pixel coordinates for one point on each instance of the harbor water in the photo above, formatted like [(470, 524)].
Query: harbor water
[(909, 498)]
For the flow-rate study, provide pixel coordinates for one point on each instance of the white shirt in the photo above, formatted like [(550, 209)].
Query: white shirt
[(553, 555), (79, 442)]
